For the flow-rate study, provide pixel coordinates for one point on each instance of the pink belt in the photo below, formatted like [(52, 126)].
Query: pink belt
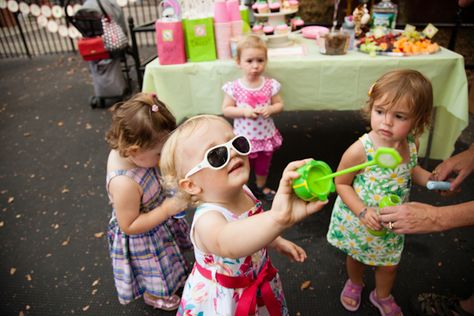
[(248, 300)]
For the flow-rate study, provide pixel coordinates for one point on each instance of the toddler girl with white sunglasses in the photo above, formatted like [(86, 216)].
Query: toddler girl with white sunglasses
[(232, 274)]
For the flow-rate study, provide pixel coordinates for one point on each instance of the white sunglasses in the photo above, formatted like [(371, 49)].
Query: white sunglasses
[(218, 157)]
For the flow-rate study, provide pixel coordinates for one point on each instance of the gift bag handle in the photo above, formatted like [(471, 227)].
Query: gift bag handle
[(173, 4), (107, 16)]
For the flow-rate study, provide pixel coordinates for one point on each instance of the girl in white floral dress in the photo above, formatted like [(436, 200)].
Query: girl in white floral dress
[(252, 101), (232, 274), (399, 106)]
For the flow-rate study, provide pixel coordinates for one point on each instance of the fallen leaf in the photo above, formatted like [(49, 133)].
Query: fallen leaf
[(94, 291), (95, 282), (305, 285), (65, 190), (18, 215), (48, 255), (85, 308), (28, 277), (12, 271), (60, 123), (66, 242), (83, 268), (27, 134), (98, 235), (55, 226), (11, 199), (2, 224), (88, 126)]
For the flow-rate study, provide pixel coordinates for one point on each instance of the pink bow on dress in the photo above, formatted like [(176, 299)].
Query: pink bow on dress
[(254, 99)]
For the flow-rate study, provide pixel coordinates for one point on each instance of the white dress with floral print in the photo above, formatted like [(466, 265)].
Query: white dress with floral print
[(349, 234), (202, 296), (261, 131)]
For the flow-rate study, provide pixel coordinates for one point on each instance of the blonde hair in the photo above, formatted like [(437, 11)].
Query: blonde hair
[(405, 85), (251, 41), (170, 163), (140, 122)]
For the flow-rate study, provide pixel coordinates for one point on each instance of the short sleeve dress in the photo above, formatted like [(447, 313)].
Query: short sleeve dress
[(261, 131), (202, 296), (151, 262), (347, 232)]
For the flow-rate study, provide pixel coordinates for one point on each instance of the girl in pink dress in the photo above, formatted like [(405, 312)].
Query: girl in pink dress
[(251, 101), (233, 273)]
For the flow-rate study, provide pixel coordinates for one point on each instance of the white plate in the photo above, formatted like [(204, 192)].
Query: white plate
[(262, 15)]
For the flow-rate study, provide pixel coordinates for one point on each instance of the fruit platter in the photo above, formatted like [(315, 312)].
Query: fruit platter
[(397, 43)]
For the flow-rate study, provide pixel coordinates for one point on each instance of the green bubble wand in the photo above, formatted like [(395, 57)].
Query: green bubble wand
[(384, 157)]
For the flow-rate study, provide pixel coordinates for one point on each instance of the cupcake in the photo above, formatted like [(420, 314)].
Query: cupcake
[(255, 7), (282, 29), (285, 6), (268, 30), (294, 4), (297, 23), (263, 8), (274, 7), (257, 29)]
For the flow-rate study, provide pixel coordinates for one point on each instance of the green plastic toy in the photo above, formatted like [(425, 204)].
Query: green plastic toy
[(384, 157), (388, 200), (316, 177)]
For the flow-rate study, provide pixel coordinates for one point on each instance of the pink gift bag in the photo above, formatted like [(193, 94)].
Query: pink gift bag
[(169, 34), (223, 33)]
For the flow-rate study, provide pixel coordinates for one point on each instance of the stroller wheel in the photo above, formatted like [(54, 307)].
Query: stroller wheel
[(93, 101)]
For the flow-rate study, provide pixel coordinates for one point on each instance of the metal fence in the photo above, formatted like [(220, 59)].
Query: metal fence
[(27, 32)]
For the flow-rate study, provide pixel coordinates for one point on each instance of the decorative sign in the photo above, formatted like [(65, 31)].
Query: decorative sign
[(52, 26), (122, 3), (57, 11), (35, 10), (24, 8), (46, 11), (12, 6), (63, 31), (42, 21)]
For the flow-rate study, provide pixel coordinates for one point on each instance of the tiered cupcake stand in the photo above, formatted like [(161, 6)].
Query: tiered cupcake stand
[(275, 19)]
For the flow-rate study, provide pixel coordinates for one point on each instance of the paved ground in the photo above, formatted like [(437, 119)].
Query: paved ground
[(53, 208)]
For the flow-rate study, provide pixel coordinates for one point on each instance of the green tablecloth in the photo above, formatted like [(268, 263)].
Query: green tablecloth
[(319, 82)]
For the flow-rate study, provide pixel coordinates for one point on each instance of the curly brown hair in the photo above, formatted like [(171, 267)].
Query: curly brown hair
[(408, 86), (139, 122)]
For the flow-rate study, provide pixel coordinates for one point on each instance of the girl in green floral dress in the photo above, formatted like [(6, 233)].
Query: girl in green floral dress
[(399, 108)]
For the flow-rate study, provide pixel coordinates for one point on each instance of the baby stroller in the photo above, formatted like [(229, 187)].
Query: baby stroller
[(110, 75)]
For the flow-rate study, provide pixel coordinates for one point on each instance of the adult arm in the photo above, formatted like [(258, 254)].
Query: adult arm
[(419, 218)]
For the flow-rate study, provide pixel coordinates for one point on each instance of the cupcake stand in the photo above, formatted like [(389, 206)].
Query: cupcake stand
[(275, 19)]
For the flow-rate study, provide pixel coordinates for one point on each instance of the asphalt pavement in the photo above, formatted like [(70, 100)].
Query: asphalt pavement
[(54, 210)]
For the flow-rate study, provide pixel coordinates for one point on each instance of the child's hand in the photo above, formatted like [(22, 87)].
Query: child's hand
[(265, 111), (287, 208), (371, 219), (289, 249), (250, 113), (174, 205)]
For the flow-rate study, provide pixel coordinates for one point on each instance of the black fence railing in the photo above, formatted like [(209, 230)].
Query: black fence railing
[(27, 32)]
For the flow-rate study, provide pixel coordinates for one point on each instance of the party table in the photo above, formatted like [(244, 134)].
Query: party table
[(319, 82)]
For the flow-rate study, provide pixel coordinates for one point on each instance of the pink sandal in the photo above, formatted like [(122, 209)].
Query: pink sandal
[(387, 306), (165, 303), (352, 291)]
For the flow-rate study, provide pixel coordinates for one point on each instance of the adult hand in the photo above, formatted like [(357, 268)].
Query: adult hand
[(461, 164), (411, 218)]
